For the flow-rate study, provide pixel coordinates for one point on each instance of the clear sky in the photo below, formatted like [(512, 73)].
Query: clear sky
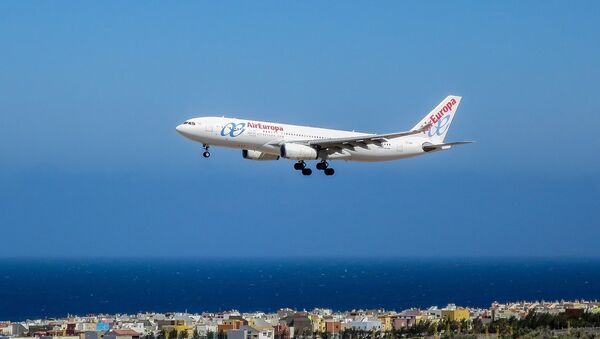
[(91, 92)]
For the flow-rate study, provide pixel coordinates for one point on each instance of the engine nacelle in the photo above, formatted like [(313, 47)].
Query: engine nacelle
[(256, 155), (298, 152), (426, 147)]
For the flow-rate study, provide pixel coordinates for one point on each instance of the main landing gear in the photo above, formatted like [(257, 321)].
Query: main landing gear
[(324, 166), (321, 166), (301, 166), (206, 153)]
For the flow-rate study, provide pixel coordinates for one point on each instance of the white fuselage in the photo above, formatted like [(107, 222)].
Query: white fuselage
[(267, 137)]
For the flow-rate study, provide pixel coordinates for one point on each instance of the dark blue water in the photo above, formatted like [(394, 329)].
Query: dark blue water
[(49, 288)]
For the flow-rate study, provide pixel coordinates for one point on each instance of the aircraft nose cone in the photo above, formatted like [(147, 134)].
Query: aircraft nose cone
[(185, 131)]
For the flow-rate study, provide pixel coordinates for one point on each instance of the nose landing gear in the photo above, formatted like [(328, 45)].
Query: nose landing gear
[(206, 153)]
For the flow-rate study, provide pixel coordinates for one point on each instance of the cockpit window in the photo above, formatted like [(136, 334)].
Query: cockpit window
[(189, 123)]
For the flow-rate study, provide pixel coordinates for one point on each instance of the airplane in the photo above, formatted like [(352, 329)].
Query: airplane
[(261, 140)]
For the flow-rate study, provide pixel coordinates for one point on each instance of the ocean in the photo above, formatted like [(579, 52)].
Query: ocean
[(46, 288)]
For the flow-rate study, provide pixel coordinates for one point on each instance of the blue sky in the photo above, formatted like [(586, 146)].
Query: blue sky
[(90, 93)]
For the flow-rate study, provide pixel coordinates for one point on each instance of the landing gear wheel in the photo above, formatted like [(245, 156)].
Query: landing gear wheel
[(300, 165), (206, 153), (322, 165), (329, 171), (306, 171)]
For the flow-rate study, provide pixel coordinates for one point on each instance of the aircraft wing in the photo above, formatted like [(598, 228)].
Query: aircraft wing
[(439, 147), (362, 140)]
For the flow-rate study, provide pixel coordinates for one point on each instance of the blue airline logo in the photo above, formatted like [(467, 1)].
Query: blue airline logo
[(441, 120), (440, 127), (233, 130)]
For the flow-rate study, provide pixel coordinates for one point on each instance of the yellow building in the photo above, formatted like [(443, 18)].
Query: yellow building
[(386, 323), (179, 326), (318, 323), (455, 314)]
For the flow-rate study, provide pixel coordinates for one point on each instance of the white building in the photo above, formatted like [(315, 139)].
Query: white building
[(247, 332), (6, 329), (365, 324), (433, 313), (206, 327)]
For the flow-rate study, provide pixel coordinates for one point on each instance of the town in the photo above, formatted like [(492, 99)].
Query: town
[(531, 319)]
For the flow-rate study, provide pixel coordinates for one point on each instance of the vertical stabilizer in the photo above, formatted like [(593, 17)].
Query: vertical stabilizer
[(440, 119)]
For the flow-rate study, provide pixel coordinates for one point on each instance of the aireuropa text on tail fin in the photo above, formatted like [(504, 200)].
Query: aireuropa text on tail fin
[(439, 119)]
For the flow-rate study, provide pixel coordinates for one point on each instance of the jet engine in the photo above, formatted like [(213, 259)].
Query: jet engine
[(256, 155), (427, 147), (298, 152)]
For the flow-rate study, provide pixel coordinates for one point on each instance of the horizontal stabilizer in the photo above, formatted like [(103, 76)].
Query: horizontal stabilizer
[(441, 147)]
